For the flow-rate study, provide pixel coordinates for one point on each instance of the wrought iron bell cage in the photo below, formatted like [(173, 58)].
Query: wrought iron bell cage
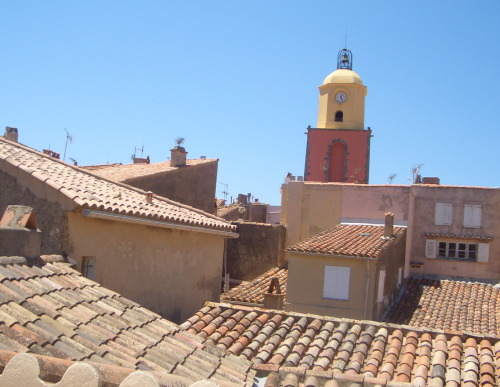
[(344, 59)]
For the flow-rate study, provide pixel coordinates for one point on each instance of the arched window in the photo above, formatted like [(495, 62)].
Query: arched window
[(339, 116)]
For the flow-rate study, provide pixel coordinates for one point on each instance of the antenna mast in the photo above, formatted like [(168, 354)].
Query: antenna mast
[(68, 138), (225, 193)]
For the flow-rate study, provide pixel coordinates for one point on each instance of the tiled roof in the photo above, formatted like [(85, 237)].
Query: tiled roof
[(253, 291), (49, 309), (230, 212), (357, 351), (450, 236), (93, 192), (444, 304), (350, 240), (122, 173)]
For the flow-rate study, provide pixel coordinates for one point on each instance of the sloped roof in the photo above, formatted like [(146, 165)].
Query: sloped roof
[(349, 240), (90, 191), (444, 304), (124, 172), (47, 308), (358, 351), (253, 291)]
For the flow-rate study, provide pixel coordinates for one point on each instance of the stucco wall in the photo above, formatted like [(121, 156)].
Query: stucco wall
[(192, 185), (310, 208), (423, 206), (307, 209), (357, 149), (369, 203), (305, 285), (50, 216), (169, 271), (258, 249), (392, 261)]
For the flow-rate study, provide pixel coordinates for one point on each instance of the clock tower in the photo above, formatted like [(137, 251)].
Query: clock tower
[(338, 150)]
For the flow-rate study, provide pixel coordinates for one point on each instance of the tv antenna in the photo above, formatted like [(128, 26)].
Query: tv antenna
[(141, 149), (391, 178), (69, 138), (225, 193)]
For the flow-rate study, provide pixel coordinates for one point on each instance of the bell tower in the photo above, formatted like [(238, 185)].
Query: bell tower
[(338, 150)]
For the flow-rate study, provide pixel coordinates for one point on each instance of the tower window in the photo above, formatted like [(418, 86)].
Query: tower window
[(339, 116)]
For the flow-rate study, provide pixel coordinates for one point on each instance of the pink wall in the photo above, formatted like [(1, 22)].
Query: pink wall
[(357, 155)]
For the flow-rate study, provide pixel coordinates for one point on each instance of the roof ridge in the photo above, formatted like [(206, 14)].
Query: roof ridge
[(34, 261)]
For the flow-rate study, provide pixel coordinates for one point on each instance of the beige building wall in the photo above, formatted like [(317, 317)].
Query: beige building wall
[(308, 208), (423, 199), (171, 272), (305, 285)]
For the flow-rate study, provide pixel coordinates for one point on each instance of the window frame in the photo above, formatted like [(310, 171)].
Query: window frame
[(459, 250)]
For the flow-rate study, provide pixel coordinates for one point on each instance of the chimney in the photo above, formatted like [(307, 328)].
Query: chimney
[(271, 300), (178, 156), (19, 235), (149, 197), (431, 180), (389, 225), (11, 134)]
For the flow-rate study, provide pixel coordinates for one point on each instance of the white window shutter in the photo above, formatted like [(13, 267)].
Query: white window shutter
[(381, 286), (472, 215), (336, 282), (430, 248), (444, 214), (483, 253)]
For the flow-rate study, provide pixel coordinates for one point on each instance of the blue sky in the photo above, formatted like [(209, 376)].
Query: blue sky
[(239, 81)]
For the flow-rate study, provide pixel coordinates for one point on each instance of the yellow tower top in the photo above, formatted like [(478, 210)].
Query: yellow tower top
[(342, 97)]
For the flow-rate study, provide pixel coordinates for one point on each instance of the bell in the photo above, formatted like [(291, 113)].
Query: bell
[(345, 58)]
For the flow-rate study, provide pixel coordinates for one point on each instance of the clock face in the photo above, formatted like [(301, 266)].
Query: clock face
[(341, 97)]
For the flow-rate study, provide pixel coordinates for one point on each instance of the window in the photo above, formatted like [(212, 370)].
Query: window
[(339, 116), (88, 267), (472, 216), (458, 250), (444, 214), (336, 285)]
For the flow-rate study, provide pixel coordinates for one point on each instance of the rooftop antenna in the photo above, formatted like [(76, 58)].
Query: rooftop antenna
[(133, 157), (69, 138), (225, 193), (391, 178)]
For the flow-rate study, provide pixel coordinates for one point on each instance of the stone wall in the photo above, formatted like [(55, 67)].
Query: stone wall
[(259, 248), (192, 185), (50, 217)]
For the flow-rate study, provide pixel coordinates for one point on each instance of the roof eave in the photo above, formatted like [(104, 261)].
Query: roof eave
[(155, 223)]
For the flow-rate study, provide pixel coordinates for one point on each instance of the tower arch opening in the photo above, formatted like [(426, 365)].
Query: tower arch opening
[(339, 116)]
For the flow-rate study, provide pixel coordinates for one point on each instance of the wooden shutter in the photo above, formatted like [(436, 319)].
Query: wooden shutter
[(381, 286), (483, 253), (430, 248), (336, 285), (444, 214), (472, 215)]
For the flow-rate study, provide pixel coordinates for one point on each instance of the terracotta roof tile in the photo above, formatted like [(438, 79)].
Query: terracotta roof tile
[(349, 240), (446, 304), (125, 172), (93, 192), (253, 291), (295, 344), (80, 320)]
